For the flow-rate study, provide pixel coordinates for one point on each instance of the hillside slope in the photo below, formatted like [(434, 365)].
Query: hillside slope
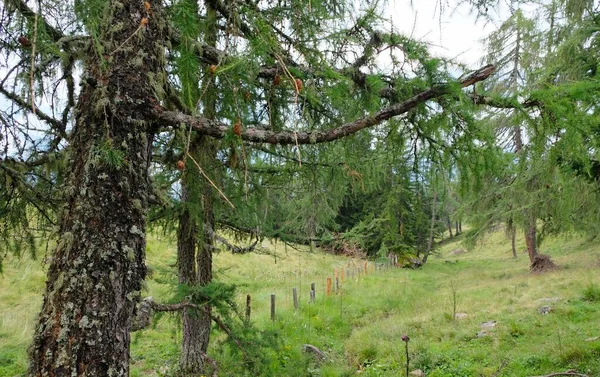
[(359, 327)]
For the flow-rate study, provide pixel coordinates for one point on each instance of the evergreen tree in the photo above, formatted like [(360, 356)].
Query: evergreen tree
[(542, 134), (279, 82)]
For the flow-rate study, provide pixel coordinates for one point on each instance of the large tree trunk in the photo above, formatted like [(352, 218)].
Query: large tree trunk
[(96, 270)]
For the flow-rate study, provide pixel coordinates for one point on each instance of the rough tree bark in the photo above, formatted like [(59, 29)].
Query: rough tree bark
[(96, 270)]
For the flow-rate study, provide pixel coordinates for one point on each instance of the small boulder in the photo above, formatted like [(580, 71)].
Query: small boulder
[(417, 373), (488, 325), (543, 310), (460, 315)]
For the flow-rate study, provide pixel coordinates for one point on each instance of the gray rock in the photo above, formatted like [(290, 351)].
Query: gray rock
[(543, 310), (488, 325)]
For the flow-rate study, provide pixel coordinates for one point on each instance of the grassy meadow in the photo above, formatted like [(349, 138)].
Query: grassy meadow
[(360, 328)]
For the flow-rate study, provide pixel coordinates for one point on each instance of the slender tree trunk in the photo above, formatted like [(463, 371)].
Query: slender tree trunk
[(449, 224), (195, 244), (96, 270), (530, 239), (530, 234), (196, 325), (432, 228), (192, 350), (513, 240)]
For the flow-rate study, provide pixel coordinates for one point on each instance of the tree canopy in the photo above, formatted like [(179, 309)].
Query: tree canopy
[(280, 119)]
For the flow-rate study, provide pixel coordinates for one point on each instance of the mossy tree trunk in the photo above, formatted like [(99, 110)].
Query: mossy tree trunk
[(97, 268)]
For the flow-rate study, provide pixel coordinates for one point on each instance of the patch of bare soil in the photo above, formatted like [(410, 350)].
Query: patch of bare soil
[(459, 251), (542, 263)]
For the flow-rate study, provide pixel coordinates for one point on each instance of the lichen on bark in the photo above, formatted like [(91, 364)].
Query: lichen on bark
[(97, 270)]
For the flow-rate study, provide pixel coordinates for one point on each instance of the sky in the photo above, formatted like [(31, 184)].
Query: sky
[(456, 34)]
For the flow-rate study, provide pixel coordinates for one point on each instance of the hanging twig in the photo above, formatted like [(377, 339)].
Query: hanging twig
[(32, 71), (210, 181), (184, 305)]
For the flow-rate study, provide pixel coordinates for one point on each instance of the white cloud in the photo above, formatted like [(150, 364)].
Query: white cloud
[(456, 34)]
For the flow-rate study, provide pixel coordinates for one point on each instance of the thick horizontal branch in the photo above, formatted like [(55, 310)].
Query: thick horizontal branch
[(219, 129)]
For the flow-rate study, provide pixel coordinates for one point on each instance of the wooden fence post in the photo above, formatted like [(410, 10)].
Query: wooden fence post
[(295, 294), (248, 306), (313, 293), (272, 307), (328, 290), (342, 273)]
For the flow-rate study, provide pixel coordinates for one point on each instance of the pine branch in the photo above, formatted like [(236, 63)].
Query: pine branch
[(295, 159), (234, 248), (219, 129), (155, 306), (222, 8), (28, 13), (504, 103), (56, 124)]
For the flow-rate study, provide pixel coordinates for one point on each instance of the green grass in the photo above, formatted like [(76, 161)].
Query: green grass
[(360, 328)]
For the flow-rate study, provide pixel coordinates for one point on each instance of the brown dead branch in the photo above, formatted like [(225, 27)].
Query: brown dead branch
[(567, 373)]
